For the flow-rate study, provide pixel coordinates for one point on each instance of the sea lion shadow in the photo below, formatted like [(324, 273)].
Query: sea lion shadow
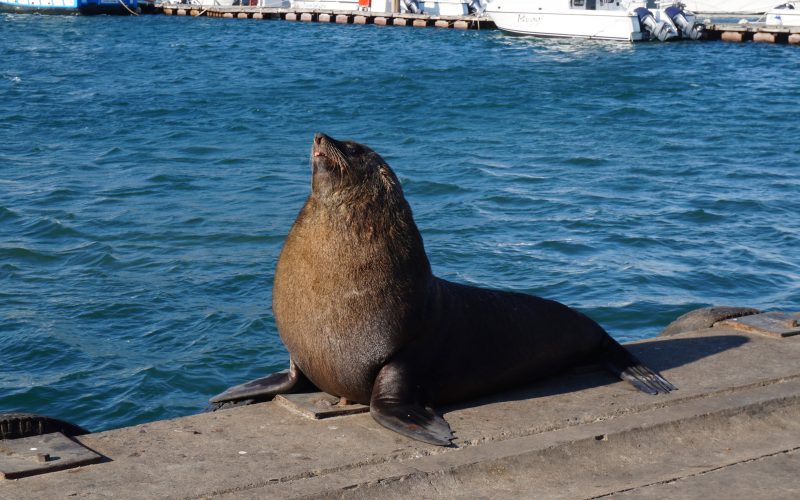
[(661, 355)]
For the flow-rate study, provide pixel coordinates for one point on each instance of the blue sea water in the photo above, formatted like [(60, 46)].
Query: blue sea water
[(151, 167)]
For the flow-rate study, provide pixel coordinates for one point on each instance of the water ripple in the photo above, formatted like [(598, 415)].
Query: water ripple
[(144, 200)]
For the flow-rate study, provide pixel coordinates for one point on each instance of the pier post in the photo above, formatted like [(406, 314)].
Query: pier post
[(731, 36), (764, 37)]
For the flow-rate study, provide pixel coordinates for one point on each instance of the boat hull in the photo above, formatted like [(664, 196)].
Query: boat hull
[(596, 25)]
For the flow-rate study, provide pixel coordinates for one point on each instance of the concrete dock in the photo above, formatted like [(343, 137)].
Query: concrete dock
[(467, 22), (732, 430), (753, 32)]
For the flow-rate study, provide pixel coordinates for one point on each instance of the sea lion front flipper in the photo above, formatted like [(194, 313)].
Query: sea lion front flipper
[(394, 405), (264, 388)]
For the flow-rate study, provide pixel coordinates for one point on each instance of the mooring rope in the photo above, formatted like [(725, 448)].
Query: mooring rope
[(121, 2)]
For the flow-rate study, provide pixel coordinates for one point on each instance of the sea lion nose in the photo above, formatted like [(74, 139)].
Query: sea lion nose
[(319, 136)]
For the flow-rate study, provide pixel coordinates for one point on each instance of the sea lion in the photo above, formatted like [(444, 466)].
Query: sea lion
[(705, 317), (364, 318)]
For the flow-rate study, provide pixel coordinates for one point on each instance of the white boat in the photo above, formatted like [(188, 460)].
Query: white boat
[(440, 7), (86, 7), (230, 3), (786, 14), (729, 7), (595, 19), (209, 3), (343, 5)]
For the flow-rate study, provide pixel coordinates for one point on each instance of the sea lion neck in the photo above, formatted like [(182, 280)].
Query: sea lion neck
[(358, 200)]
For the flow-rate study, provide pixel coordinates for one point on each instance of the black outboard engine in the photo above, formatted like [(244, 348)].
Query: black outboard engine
[(476, 7), (689, 30), (657, 29)]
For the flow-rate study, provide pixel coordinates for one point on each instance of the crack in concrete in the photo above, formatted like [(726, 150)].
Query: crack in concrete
[(696, 474)]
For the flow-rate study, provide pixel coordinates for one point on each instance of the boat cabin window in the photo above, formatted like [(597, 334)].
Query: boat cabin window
[(584, 4)]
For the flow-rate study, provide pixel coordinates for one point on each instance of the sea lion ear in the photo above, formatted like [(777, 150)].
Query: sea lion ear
[(386, 176)]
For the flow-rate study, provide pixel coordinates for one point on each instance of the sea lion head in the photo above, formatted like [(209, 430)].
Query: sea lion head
[(342, 167)]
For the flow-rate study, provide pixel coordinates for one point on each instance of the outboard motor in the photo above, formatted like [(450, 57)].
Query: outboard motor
[(412, 6), (688, 29), (657, 29), (476, 7)]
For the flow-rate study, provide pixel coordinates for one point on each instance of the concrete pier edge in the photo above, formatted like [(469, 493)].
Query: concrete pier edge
[(732, 429)]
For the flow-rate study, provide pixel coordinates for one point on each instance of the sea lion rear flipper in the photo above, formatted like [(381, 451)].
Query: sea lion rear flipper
[(394, 405), (624, 365), (262, 389)]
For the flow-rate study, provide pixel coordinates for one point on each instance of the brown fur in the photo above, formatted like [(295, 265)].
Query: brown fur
[(363, 317), (352, 266)]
